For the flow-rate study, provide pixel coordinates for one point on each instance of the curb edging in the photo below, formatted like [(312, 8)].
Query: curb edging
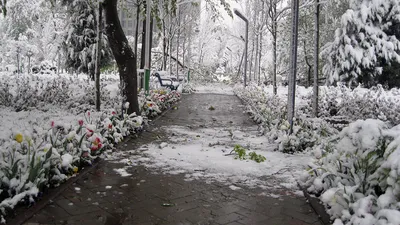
[(48, 198), (317, 207)]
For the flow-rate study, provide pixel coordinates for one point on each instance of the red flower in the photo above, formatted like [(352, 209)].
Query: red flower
[(113, 113), (52, 123), (97, 141), (110, 126), (100, 145), (80, 122), (88, 113), (94, 148)]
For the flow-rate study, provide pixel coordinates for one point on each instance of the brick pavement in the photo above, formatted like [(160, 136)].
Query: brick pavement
[(151, 197)]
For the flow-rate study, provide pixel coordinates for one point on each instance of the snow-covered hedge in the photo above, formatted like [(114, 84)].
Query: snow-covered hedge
[(357, 175), (270, 112), (335, 102), (75, 93)]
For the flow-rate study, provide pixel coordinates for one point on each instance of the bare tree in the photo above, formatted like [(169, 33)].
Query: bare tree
[(274, 15)]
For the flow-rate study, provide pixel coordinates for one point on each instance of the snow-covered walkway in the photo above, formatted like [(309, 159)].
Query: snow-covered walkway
[(181, 172)]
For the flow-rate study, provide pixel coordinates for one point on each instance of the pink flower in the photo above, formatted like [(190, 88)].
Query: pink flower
[(52, 123), (88, 113), (110, 126), (89, 132), (85, 154), (80, 122), (113, 113)]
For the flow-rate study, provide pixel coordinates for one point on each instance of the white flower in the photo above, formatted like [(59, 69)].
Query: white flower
[(71, 135)]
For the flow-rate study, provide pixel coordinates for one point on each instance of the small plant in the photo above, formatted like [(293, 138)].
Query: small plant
[(258, 158), (211, 108), (240, 151), (242, 155)]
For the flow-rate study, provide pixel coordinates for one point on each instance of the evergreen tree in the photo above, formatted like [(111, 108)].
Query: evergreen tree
[(367, 45), (80, 40)]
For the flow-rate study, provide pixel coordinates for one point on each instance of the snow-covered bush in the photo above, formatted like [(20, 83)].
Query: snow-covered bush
[(34, 91), (270, 112), (360, 103), (357, 175), (43, 156)]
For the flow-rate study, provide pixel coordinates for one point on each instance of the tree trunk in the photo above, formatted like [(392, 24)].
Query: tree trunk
[(308, 64), (123, 54), (143, 51), (316, 59), (164, 65), (136, 27), (98, 57)]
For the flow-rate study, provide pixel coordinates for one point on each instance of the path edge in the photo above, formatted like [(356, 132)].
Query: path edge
[(53, 193), (317, 207)]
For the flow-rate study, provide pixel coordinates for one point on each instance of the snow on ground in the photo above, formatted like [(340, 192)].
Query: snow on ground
[(204, 154), (215, 88)]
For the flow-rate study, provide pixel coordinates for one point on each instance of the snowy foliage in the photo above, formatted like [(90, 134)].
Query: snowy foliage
[(80, 40), (357, 175), (270, 112), (40, 92), (338, 106), (367, 41), (44, 155)]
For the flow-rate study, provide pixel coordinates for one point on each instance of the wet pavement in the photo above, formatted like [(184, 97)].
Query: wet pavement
[(150, 196)]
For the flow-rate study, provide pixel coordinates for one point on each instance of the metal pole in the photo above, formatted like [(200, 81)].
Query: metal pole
[(148, 48), (293, 63), (246, 42), (177, 41), (316, 59)]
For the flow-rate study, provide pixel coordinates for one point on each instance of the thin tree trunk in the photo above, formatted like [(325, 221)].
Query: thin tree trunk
[(123, 54), (136, 27), (143, 50), (98, 57), (308, 64), (256, 58), (259, 60), (316, 59), (164, 65)]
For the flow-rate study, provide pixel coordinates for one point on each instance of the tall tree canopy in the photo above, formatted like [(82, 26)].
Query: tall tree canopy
[(367, 42)]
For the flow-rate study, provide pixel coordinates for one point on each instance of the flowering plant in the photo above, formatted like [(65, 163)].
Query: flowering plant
[(46, 156)]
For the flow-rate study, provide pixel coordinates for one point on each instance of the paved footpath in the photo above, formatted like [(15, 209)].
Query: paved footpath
[(142, 198)]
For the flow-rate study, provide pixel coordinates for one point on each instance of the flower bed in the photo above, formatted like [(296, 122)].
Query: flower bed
[(46, 155)]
